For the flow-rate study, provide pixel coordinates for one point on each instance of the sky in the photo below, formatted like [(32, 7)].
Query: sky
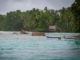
[(23, 5)]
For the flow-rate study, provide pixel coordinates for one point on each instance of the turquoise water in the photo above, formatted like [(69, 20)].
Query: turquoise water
[(37, 48)]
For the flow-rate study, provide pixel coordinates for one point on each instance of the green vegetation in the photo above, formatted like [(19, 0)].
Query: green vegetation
[(66, 19), (75, 8)]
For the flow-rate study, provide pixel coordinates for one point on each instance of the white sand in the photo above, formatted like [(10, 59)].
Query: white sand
[(11, 35)]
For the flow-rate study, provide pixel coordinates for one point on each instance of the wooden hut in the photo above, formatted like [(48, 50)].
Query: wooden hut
[(38, 33), (52, 28)]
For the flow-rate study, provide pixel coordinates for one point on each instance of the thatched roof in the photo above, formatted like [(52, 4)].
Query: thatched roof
[(52, 28)]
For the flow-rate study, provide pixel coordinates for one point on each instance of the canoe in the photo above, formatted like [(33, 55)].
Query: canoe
[(53, 37)]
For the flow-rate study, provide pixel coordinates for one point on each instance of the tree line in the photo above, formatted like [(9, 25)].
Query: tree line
[(66, 19)]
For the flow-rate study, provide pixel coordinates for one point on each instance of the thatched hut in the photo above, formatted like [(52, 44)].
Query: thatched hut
[(52, 28), (38, 33)]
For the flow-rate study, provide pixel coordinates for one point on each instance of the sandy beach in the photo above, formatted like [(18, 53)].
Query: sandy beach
[(29, 35)]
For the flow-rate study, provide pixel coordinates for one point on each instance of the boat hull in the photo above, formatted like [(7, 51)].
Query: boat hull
[(53, 37), (68, 38), (61, 38)]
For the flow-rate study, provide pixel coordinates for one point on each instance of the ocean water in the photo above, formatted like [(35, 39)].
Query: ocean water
[(38, 48)]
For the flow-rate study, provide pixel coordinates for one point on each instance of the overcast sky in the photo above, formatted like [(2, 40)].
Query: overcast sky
[(23, 5)]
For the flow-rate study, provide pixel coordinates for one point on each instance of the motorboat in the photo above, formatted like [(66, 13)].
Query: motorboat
[(53, 37), (62, 38), (65, 38)]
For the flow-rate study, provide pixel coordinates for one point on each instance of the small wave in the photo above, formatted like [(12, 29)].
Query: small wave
[(6, 48)]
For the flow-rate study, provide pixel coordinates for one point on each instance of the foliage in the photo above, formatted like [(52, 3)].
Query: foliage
[(38, 20), (2, 17), (12, 21), (75, 8)]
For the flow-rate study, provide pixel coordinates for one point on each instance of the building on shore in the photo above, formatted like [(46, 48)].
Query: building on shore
[(52, 28)]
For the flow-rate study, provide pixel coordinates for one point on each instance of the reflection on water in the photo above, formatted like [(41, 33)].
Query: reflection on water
[(38, 49)]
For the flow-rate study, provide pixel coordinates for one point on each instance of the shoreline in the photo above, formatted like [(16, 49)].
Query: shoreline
[(18, 35)]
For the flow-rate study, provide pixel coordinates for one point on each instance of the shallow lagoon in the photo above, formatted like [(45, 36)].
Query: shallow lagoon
[(38, 48)]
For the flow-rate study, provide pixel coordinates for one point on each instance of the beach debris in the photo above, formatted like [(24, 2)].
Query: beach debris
[(37, 44), (23, 32)]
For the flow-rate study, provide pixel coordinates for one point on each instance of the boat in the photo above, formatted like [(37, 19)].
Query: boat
[(53, 37), (65, 38), (62, 38)]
